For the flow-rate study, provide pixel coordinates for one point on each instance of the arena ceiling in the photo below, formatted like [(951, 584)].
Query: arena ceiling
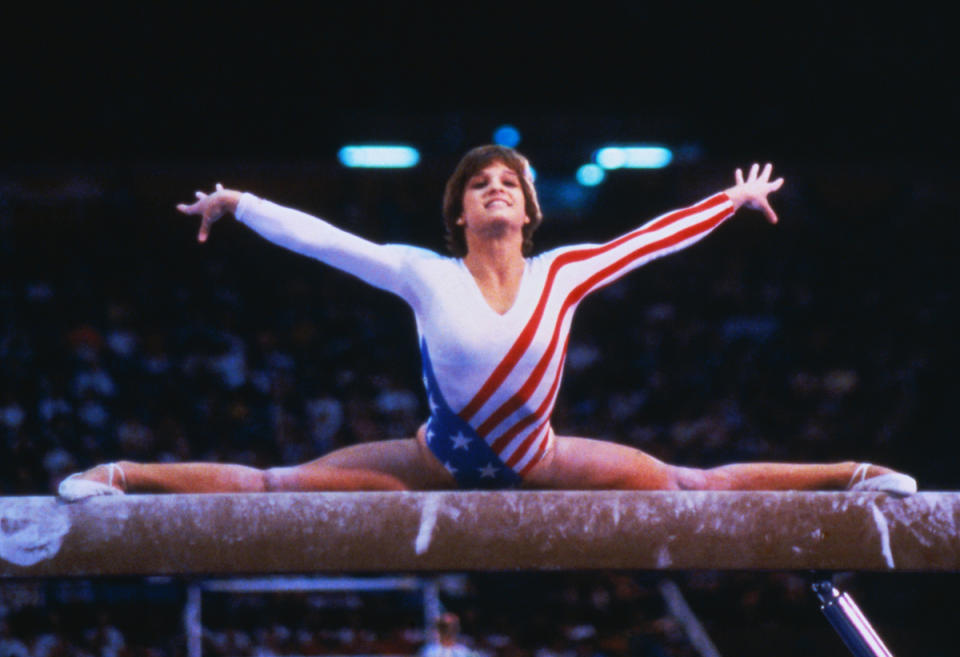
[(808, 81)]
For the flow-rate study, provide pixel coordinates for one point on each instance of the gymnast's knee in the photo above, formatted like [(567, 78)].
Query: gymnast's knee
[(699, 479), (275, 480)]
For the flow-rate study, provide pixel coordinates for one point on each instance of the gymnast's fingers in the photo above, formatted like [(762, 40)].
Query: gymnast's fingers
[(205, 224), (768, 211), (191, 208)]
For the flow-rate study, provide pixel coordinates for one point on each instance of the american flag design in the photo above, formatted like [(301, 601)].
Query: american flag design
[(457, 445), (491, 379)]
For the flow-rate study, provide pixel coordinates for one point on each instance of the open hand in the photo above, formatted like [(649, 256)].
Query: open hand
[(211, 207), (753, 191)]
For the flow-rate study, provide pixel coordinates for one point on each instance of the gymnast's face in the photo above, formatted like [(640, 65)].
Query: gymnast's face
[(493, 202)]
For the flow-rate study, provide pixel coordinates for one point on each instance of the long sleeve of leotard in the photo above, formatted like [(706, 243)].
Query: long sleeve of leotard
[(526, 379), (597, 265), (377, 264)]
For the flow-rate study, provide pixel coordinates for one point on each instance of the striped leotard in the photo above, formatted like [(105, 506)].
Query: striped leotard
[(491, 379)]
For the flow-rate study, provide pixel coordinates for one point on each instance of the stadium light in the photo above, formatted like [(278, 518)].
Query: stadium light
[(506, 135), (379, 156), (590, 175), (633, 157)]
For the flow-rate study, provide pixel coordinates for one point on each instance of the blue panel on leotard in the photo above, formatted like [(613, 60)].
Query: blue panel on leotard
[(457, 445)]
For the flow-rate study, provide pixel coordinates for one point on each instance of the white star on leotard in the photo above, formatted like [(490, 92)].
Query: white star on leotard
[(488, 471), (426, 382), (433, 405), (452, 470), (460, 441), (429, 435)]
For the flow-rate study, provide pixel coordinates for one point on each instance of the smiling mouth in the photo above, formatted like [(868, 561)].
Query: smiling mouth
[(502, 201)]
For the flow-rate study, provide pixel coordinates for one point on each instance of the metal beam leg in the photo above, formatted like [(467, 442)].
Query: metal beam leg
[(849, 622), (192, 621)]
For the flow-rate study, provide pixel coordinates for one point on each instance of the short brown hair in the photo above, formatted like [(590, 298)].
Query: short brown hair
[(476, 160)]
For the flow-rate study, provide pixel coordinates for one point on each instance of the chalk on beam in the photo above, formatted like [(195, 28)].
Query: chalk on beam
[(246, 534)]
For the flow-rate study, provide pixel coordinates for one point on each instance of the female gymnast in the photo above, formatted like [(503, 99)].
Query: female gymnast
[(493, 322)]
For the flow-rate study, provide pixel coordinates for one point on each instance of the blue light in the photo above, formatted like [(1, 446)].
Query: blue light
[(379, 156), (506, 135), (610, 157), (590, 175), (633, 157)]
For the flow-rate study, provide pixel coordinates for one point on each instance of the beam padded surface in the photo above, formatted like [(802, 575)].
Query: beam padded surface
[(463, 531)]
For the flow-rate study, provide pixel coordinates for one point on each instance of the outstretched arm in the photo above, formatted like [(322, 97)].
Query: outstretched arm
[(602, 264), (383, 266), (753, 191)]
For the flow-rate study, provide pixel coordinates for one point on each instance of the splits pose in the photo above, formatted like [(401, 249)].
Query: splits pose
[(493, 323)]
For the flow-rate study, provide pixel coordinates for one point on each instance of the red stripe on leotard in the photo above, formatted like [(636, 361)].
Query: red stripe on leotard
[(543, 411), (541, 448), (519, 398), (510, 360)]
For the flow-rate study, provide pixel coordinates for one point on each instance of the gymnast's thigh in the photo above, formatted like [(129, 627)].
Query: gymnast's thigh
[(588, 464), (406, 459)]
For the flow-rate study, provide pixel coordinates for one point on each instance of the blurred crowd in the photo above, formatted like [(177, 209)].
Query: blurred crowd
[(598, 614)]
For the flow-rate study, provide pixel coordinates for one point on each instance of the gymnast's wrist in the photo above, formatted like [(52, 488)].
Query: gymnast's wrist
[(736, 196), (244, 202)]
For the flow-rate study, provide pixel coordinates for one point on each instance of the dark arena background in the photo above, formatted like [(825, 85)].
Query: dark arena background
[(831, 336)]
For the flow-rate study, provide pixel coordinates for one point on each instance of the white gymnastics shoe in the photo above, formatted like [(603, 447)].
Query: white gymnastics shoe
[(73, 488), (895, 483)]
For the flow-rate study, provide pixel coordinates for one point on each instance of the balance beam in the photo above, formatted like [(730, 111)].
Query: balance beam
[(471, 531)]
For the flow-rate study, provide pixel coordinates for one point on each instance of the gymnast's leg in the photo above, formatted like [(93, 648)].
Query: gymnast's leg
[(582, 463), (404, 464)]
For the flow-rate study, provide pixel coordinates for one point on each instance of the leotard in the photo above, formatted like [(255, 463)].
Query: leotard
[(491, 379)]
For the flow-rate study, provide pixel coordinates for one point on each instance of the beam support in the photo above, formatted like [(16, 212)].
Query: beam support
[(243, 534)]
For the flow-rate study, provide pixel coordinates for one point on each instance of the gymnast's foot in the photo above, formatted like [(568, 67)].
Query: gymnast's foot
[(107, 479), (868, 477)]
